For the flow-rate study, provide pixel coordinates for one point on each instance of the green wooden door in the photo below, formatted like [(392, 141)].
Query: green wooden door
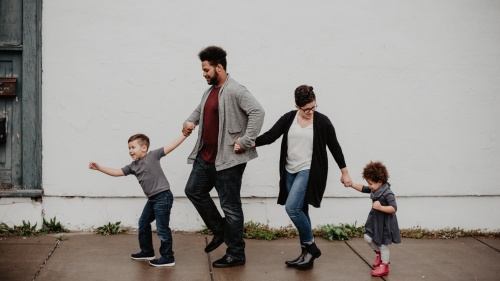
[(20, 118), (10, 117), (10, 67)]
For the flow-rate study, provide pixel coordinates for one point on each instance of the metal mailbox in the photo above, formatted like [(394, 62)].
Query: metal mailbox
[(8, 87)]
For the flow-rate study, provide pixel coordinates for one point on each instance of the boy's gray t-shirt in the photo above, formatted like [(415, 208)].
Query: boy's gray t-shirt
[(149, 172)]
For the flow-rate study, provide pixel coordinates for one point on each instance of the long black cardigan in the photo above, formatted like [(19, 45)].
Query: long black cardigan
[(323, 136)]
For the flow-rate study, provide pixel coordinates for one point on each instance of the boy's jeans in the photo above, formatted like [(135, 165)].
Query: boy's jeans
[(157, 208), (228, 185), (296, 184)]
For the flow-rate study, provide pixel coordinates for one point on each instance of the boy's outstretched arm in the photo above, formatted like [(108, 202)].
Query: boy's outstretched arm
[(171, 146), (108, 171)]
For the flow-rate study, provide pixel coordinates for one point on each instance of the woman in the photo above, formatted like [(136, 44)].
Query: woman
[(304, 166)]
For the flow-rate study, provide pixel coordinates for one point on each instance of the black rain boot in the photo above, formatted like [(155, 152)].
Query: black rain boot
[(312, 253), (294, 262)]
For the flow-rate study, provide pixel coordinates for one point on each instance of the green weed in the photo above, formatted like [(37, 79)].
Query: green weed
[(339, 232), (52, 226), (4, 229), (110, 229), (25, 230)]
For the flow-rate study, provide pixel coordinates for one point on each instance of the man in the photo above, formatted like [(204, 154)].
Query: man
[(228, 114)]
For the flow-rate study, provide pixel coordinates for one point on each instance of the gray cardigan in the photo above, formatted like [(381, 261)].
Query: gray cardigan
[(242, 119)]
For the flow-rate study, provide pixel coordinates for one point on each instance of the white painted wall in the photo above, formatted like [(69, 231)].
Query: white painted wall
[(414, 84)]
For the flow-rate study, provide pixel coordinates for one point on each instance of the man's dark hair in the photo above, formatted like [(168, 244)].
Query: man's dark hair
[(141, 139), (214, 55), (303, 95)]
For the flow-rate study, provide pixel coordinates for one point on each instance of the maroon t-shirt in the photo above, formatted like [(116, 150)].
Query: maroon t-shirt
[(211, 126)]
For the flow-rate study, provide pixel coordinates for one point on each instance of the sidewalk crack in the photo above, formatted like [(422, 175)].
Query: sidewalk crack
[(359, 255), (487, 244), (210, 268), (45, 261)]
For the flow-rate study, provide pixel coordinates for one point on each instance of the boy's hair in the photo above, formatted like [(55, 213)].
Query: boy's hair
[(214, 55), (303, 95), (142, 139), (376, 172)]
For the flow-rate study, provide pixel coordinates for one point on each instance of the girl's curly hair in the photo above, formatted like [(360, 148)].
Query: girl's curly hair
[(376, 172), (304, 94)]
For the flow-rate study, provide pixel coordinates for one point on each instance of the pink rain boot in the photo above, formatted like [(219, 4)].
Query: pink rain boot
[(377, 261), (382, 270)]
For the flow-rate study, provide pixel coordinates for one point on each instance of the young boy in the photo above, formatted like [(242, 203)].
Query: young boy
[(146, 167), (381, 228)]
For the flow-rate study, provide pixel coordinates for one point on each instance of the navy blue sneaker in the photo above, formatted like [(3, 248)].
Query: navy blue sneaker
[(163, 261), (142, 256)]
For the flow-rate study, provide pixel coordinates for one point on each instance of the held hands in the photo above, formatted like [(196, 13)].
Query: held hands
[(346, 180), (188, 128), (237, 147)]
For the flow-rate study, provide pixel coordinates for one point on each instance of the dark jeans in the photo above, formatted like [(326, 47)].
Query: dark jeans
[(227, 182), (157, 208)]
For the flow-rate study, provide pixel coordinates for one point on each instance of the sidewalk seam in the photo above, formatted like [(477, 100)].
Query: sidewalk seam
[(210, 269), (45, 261), (352, 249), (487, 245)]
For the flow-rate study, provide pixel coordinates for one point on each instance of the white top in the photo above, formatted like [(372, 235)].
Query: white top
[(300, 147)]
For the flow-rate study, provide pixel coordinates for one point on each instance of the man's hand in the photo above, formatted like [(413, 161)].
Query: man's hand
[(188, 128), (237, 147)]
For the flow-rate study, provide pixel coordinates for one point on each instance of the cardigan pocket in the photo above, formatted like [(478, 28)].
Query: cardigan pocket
[(234, 134)]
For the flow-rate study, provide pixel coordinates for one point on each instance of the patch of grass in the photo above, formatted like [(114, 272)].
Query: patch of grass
[(255, 230), (206, 231), (288, 231), (339, 232), (447, 233), (345, 231), (25, 230), (52, 226), (4, 229), (110, 229), (62, 237)]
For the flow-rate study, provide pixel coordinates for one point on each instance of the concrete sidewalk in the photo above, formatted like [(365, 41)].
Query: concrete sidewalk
[(97, 257)]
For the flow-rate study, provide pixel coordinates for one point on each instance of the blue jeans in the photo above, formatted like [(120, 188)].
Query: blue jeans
[(227, 182), (296, 185), (157, 208)]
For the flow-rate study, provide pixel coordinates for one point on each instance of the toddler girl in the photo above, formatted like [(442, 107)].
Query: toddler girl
[(381, 228)]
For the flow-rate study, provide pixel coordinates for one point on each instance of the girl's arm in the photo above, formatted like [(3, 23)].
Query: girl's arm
[(171, 146), (385, 209), (356, 186), (108, 171)]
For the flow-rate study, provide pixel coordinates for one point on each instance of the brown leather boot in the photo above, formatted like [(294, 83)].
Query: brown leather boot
[(381, 270)]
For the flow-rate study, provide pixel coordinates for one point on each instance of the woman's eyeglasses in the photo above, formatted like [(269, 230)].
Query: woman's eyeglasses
[(307, 110)]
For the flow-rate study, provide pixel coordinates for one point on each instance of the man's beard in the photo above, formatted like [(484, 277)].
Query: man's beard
[(214, 79)]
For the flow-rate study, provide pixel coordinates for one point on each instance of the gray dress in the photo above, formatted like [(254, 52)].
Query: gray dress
[(382, 227)]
